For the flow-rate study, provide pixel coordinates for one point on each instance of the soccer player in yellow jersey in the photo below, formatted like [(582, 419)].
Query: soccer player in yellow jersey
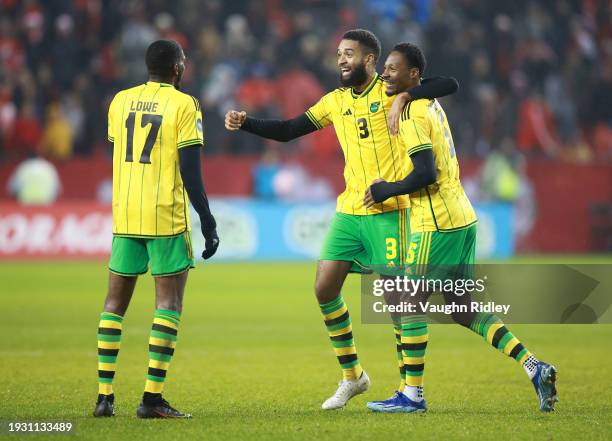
[(157, 136), (443, 233), (358, 236)]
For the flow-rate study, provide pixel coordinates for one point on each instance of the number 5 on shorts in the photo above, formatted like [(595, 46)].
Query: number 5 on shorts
[(411, 251)]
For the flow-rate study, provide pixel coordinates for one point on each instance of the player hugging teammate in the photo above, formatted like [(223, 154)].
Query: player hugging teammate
[(442, 237), (417, 169)]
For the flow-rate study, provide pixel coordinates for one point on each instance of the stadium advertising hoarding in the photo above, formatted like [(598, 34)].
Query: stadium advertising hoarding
[(61, 230), (249, 230)]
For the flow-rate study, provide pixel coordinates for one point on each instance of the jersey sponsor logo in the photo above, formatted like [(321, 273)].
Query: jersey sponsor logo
[(374, 107)]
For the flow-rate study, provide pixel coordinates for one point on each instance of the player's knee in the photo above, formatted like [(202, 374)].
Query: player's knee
[(173, 304), (115, 306), (325, 291)]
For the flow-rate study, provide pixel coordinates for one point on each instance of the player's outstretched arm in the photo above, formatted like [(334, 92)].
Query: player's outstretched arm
[(433, 87), (424, 174), (278, 130), (191, 173)]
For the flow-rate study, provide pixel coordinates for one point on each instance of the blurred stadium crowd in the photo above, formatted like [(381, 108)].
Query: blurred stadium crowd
[(535, 76)]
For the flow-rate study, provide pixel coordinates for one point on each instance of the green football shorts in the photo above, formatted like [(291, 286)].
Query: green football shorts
[(130, 256), (442, 254), (376, 241)]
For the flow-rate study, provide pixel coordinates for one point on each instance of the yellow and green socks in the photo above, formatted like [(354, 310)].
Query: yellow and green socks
[(397, 328), (162, 341), (414, 338), (340, 330), (109, 342), (496, 334)]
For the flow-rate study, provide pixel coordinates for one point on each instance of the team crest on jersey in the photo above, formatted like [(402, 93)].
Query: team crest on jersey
[(199, 125), (374, 107)]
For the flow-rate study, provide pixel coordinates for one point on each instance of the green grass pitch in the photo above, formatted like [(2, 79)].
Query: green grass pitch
[(253, 361)]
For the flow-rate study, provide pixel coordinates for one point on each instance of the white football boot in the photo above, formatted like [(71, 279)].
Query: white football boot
[(347, 389)]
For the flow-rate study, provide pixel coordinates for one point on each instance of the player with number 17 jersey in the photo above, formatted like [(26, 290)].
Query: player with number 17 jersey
[(147, 125), (157, 137)]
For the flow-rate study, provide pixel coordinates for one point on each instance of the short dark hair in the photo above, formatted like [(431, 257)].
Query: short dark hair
[(365, 38), (161, 57), (413, 55)]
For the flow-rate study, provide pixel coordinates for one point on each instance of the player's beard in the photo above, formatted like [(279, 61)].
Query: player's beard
[(357, 77)]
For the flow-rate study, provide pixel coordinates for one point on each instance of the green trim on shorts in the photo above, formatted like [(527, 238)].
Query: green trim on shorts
[(187, 268), (360, 268), (131, 256), (464, 227), (119, 273)]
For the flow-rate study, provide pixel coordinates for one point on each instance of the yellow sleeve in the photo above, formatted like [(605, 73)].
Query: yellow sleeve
[(415, 128), (321, 113), (190, 130), (111, 117)]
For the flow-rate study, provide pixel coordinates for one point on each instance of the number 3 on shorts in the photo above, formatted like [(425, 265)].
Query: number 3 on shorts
[(391, 243)]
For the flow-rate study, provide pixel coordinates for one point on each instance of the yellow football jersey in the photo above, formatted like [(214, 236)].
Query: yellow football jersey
[(147, 124), (442, 206), (370, 152)]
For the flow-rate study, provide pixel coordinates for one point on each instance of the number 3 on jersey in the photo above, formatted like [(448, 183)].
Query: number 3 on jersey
[(147, 118), (363, 128)]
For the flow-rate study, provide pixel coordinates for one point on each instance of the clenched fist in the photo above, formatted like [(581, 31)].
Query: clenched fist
[(234, 120)]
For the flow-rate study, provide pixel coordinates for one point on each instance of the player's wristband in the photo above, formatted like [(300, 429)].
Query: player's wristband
[(424, 173)]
